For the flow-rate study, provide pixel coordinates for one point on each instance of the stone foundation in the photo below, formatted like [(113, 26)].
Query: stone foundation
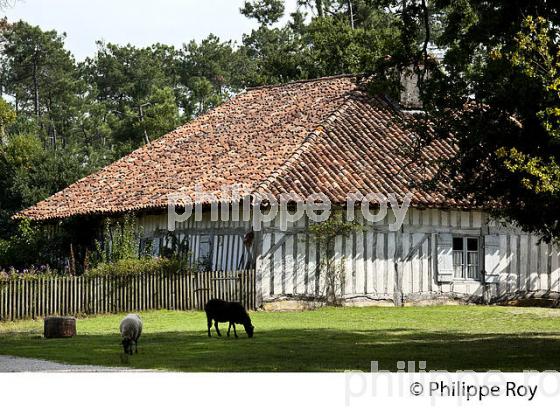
[(530, 299), (291, 305), (519, 299)]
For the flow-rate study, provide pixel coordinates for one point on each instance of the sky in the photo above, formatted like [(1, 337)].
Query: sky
[(139, 22)]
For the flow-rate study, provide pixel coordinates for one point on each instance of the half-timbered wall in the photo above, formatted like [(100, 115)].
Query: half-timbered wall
[(216, 246), (376, 263), (379, 264)]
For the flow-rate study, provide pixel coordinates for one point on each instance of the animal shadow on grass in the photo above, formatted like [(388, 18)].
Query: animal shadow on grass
[(125, 359)]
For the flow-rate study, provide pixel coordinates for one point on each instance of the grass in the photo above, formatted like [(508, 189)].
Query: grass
[(447, 338)]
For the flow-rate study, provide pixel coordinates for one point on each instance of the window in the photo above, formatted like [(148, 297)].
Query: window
[(205, 253), (466, 258)]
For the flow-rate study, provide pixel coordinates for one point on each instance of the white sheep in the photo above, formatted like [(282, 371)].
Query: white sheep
[(131, 330)]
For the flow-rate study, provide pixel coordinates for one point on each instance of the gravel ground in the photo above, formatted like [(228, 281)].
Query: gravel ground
[(11, 364)]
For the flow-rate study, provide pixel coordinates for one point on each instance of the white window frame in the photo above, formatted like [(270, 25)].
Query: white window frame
[(464, 276)]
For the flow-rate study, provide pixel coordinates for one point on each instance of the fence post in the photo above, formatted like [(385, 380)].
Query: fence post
[(241, 278)]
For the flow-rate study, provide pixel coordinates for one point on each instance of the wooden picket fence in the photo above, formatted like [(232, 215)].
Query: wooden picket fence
[(39, 297)]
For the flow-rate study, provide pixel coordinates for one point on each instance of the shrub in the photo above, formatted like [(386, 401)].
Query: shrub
[(16, 251), (29, 274), (32, 246), (134, 266), (120, 241), (123, 267), (325, 234)]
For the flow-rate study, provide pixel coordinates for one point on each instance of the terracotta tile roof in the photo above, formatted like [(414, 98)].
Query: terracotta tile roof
[(362, 148), (323, 135)]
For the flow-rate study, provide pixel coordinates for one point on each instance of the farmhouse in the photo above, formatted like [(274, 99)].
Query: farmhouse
[(328, 137)]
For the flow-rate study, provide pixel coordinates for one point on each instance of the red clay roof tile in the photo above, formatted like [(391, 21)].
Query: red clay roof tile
[(325, 135)]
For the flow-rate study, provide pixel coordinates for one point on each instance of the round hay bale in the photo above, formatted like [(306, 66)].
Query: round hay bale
[(60, 327)]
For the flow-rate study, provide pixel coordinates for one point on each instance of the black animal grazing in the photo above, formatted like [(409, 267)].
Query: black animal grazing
[(221, 311)]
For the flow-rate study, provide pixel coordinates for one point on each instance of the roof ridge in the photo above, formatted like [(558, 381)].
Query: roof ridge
[(305, 146), (308, 80)]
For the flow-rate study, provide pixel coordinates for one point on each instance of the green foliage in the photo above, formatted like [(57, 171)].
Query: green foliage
[(210, 72), (135, 86), (119, 252), (537, 55), (7, 117), (24, 248), (500, 72), (337, 48), (32, 273), (17, 160), (337, 40), (42, 78), (355, 13), (30, 173), (325, 234), (60, 247), (266, 12), (136, 266), (275, 55), (160, 116), (175, 247), (120, 241)]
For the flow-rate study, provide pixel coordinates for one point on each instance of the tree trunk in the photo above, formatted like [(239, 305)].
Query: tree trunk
[(146, 137), (331, 273), (351, 12), (59, 327), (319, 6), (426, 17), (35, 89)]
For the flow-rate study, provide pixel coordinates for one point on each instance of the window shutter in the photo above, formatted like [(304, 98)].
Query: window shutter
[(445, 257), (491, 258)]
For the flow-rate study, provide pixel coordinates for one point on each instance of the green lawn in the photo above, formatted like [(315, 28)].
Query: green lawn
[(447, 338)]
